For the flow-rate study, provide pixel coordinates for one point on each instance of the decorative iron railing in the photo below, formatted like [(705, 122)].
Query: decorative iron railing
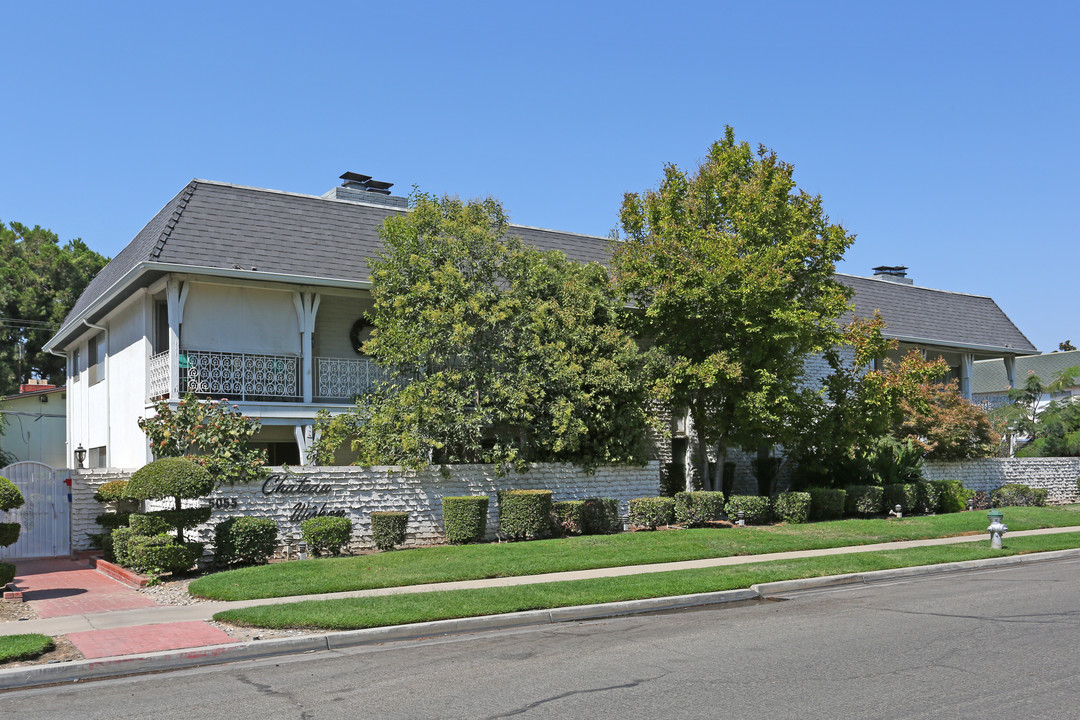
[(159, 375), (345, 378), (240, 376)]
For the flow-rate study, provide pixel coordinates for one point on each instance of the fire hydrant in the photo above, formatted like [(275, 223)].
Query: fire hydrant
[(997, 528)]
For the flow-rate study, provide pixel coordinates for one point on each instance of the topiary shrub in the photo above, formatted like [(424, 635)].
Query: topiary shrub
[(792, 507), (158, 554), (176, 478), (465, 518), (698, 507), (756, 510), (525, 514), (112, 492), (952, 495), (120, 540), (1018, 495), (864, 499), (601, 516), (827, 503), (326, 535), (10, 499), (143, 524), (652, 512), (906, 495), (570, 516), (245, 541), (388, 529)]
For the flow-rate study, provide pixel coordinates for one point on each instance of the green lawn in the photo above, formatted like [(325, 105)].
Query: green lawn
[(357, 613), (23, 647), (470, 562)]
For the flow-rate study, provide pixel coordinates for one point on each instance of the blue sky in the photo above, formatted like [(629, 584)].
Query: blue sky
[(945, 135)]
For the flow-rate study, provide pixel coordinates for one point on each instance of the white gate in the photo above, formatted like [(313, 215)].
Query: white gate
[(45, 514)]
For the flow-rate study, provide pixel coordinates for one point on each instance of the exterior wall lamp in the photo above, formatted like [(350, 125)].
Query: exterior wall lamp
[(80, 455)]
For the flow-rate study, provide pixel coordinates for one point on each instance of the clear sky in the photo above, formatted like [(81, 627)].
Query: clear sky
[(944, 134)]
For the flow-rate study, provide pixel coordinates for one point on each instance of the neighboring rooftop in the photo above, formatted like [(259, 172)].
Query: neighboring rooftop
[(990, 378)]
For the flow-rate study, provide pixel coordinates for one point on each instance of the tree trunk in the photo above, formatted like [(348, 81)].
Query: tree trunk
[(179, 528), (703, 459)]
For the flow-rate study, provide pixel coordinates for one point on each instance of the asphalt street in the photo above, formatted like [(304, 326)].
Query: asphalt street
[(994, 643)]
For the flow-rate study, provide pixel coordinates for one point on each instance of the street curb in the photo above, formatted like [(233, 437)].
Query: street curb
[(79, 670)]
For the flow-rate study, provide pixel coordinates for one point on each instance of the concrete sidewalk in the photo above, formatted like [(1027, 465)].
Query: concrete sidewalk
[(123, 617)]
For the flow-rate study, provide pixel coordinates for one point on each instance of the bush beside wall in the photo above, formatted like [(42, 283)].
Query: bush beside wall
[(601, 516), (756, 509), (864, 499), (652, 512), (388, 529), (465, 518), (696, 508), (827, 503), (525, 514), (326, 535), (1018, 495), (952, 495), (245, 540), (792, 507), (569, 516), (906, 495)]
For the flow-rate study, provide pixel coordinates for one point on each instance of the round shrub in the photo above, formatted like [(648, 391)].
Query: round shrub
[(157, 554), (792, 507), (170, 477), (601, 516), (388, 529), (143, 524), (10, 497), (652, 512), (111, 491), (525, 514), (952, 495), (1018, 495), (9, 533), (465, 518), (7, 574), (827, 503), (698, 507), (756, 510), (245, 540), (326, 535), (864, 499)]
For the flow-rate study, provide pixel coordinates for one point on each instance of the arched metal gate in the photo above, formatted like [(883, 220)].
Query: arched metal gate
[(46, 514)]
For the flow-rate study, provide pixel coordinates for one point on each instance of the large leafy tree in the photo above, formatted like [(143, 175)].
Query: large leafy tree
[(500, 353), (40, 280), (732, 268)]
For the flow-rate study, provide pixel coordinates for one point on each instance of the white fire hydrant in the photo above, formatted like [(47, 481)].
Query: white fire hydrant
[(997, 528)]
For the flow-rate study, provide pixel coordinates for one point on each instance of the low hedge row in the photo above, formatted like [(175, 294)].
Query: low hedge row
[(326, 535), (245, 541), (1017, 494), (388, 529), (652, 512), (525, 514), (465, 518), (696, 508)]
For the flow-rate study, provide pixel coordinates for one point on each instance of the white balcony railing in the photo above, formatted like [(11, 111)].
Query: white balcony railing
[(240, 376), (345, 378), (159, 375)]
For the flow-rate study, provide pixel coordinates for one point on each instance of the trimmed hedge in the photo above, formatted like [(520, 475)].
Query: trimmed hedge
[(827, 503), (652, 512), (245, 540), (756, 509), (929, 497), (1018, 495), (326, 534), (143, 524), (153, 554), (569, 516), (7, 574), (9, 533), (952, 495), (792, 507), (111, 492), (906, 495), (388, 528), (183, 518), (525, 514), (601, 516), (170, 477), (10, 497), (698, 507), (465, 518), (111, 521), (864, 499)]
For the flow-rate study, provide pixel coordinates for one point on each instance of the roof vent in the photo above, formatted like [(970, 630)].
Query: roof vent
[(893, 273), (361, 188)]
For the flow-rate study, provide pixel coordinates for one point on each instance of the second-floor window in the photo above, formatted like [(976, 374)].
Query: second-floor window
[(95, 358)]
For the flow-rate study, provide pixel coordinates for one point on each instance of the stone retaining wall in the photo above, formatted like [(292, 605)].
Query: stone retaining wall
[(1057, 475), (291, 496)]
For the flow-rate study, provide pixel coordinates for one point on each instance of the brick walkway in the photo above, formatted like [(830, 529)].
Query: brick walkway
[(147, 638), (59, 587)]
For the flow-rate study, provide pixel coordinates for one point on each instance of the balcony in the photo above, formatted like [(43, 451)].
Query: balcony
[(254, 377)]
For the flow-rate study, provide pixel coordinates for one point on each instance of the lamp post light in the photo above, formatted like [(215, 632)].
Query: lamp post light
[(80, 455), (971, 503), (899, 511), (997, 528), (740, 518)]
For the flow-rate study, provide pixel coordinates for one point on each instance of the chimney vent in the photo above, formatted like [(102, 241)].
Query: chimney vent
[(893, 273), (362, 188)]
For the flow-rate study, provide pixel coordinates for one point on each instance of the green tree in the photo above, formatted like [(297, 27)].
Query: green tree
[(1066, 346), (1021, 415), (733, 269), (213, 434), (1057, 432), (40, 280), (501, 353)]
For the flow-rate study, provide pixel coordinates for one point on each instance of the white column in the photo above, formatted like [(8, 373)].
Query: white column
[(967, 369), (305, 438), (176, 295), (1010, 371), (307, 307)]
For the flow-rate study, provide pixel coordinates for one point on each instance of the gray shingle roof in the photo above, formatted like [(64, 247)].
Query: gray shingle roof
[(989, 375), (938, 317)]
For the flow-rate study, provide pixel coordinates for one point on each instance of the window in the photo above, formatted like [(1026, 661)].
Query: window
[(161, 327), (95, 358), (97, 457), (75, 356)]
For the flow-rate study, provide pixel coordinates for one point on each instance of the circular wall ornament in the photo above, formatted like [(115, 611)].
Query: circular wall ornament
[(358, 334)]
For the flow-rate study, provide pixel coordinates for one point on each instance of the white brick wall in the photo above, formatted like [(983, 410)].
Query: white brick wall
[(84, 483), (358, 492), (1058, 475)]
